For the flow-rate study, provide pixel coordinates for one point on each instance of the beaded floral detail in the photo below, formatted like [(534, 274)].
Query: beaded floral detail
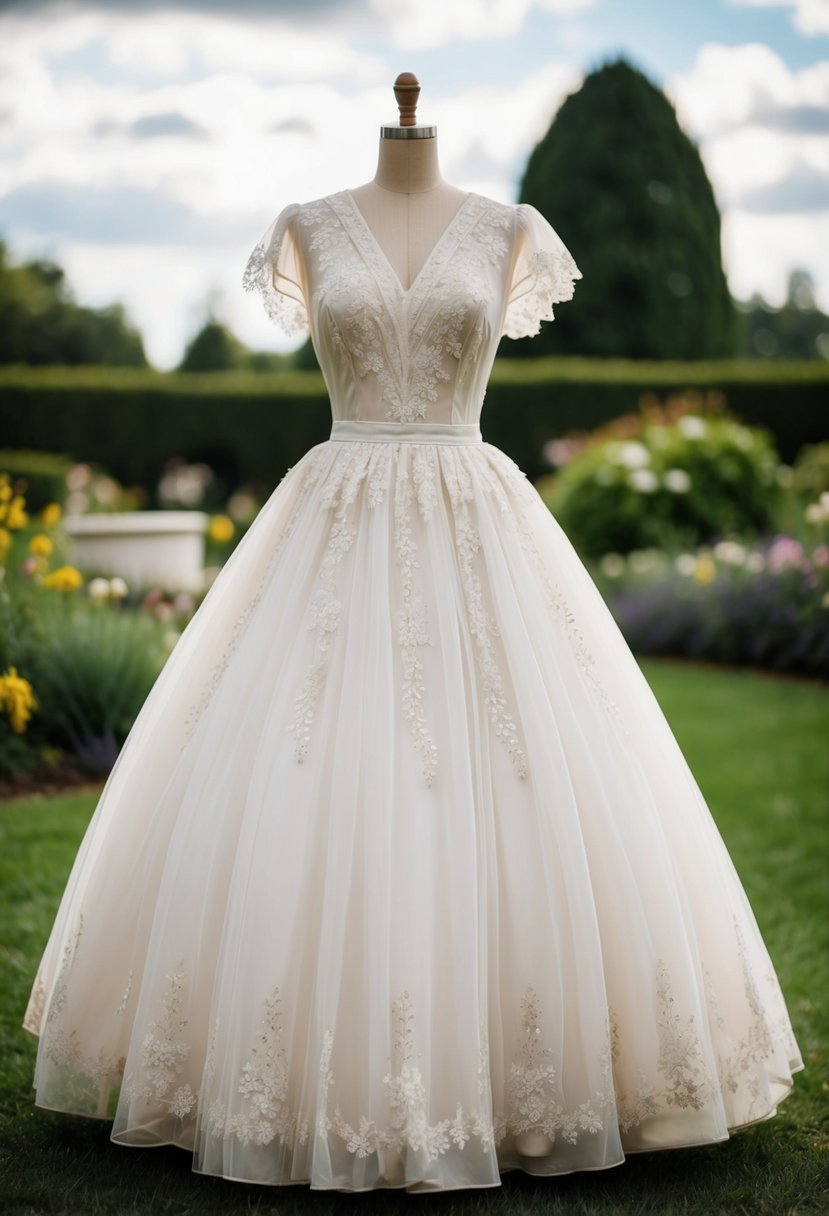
[(535, 1101), (263, 1084), (164, 1052)]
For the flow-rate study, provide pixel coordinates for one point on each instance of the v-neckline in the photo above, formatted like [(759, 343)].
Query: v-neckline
[(380, 252)]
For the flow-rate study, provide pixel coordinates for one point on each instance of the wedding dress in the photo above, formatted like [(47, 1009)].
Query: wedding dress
[(400, 878)]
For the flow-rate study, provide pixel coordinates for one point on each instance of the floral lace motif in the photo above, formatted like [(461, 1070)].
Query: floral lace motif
[(90, 1071), (552, 273), (482, 626), (325, 608), (260, 275), (164, 1052), (556, 599), (263, 1083), (309, 480), (407, 341), (412, 625), (533, 1098)]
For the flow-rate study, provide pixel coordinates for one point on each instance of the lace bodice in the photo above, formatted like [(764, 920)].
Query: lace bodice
[(422, 353)]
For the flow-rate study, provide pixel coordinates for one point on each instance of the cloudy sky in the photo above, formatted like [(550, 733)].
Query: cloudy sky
[(146, 146)]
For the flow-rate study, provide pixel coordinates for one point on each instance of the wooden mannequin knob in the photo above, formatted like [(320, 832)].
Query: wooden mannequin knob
[(407, 92)]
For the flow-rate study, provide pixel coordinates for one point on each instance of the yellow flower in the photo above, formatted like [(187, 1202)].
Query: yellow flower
[(705, 571), (5, 489), (5, 541), (221, 528), (17, 698), (65, 578), (16, 516), (41, 545), (50, 514)]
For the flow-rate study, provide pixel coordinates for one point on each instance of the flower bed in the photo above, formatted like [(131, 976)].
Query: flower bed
[(762, 605)]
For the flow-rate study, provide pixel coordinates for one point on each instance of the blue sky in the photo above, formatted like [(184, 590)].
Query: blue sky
[(147, 146)]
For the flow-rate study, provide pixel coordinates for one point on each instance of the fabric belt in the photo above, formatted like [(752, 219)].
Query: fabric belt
[(406, 432)]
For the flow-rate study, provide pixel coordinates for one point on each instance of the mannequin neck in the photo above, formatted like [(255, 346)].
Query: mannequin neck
[(408, 166)]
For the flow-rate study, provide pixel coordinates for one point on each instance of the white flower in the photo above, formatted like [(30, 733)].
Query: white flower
[(818, 512), (632, 455), (685, 563), (98, 588), (644, 480), (117, 587), (755, 562), (678, 481), (731, 552), (642, 560), (692, 426), (612, 564)]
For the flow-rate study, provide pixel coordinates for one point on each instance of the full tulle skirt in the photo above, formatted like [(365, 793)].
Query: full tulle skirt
[(400, 877)]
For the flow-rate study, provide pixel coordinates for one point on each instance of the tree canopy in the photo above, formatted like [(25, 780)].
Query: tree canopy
[(626, 190), (40, 323)]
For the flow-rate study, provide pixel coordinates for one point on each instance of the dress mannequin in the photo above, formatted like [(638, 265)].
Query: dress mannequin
[(408, 205)]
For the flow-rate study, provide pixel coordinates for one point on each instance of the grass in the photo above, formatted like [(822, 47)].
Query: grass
[(758, 748)]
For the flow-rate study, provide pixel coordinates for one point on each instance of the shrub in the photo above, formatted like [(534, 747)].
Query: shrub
[(41, 475), (95, 669), (765, 606), (673, 476)]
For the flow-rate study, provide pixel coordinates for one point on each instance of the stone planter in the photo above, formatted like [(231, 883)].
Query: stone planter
[(146, 548)]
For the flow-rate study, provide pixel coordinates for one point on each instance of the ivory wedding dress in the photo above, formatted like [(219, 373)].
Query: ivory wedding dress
[(400, 878)]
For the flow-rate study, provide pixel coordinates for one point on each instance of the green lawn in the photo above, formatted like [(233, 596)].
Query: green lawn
[(758, 748)]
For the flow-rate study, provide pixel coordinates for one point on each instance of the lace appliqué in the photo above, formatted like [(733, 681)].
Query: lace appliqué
[(324, 613), (310, 478), (556, 599), (412, 626), (534, 1103), (686, 1079), (260, 275), (482, 626), (552, 272), (164, 1052), (406, 340), (87, 1075), (263, 1083)]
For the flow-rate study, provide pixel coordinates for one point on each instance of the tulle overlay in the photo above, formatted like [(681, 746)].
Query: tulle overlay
[(401, 862)]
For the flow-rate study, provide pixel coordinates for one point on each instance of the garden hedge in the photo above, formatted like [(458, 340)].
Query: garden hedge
[(251, 427)]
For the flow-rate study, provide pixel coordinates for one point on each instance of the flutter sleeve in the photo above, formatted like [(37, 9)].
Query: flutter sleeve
[(543, 274), (275, 270)]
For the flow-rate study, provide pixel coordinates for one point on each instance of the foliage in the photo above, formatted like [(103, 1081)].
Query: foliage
[(214, 348), (40, 323), (250, 428), (765, 605), (677, 474), (626, 190), (42, 475), (798, 330), (96, 667)]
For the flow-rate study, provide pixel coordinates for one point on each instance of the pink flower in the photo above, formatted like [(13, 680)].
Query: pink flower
[(784, 552)]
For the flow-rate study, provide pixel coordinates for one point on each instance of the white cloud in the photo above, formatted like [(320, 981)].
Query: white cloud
[(423, 24), (760, 129), (809, 17)]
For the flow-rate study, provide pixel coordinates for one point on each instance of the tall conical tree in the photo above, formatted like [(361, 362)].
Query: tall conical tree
[(626, 190)]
